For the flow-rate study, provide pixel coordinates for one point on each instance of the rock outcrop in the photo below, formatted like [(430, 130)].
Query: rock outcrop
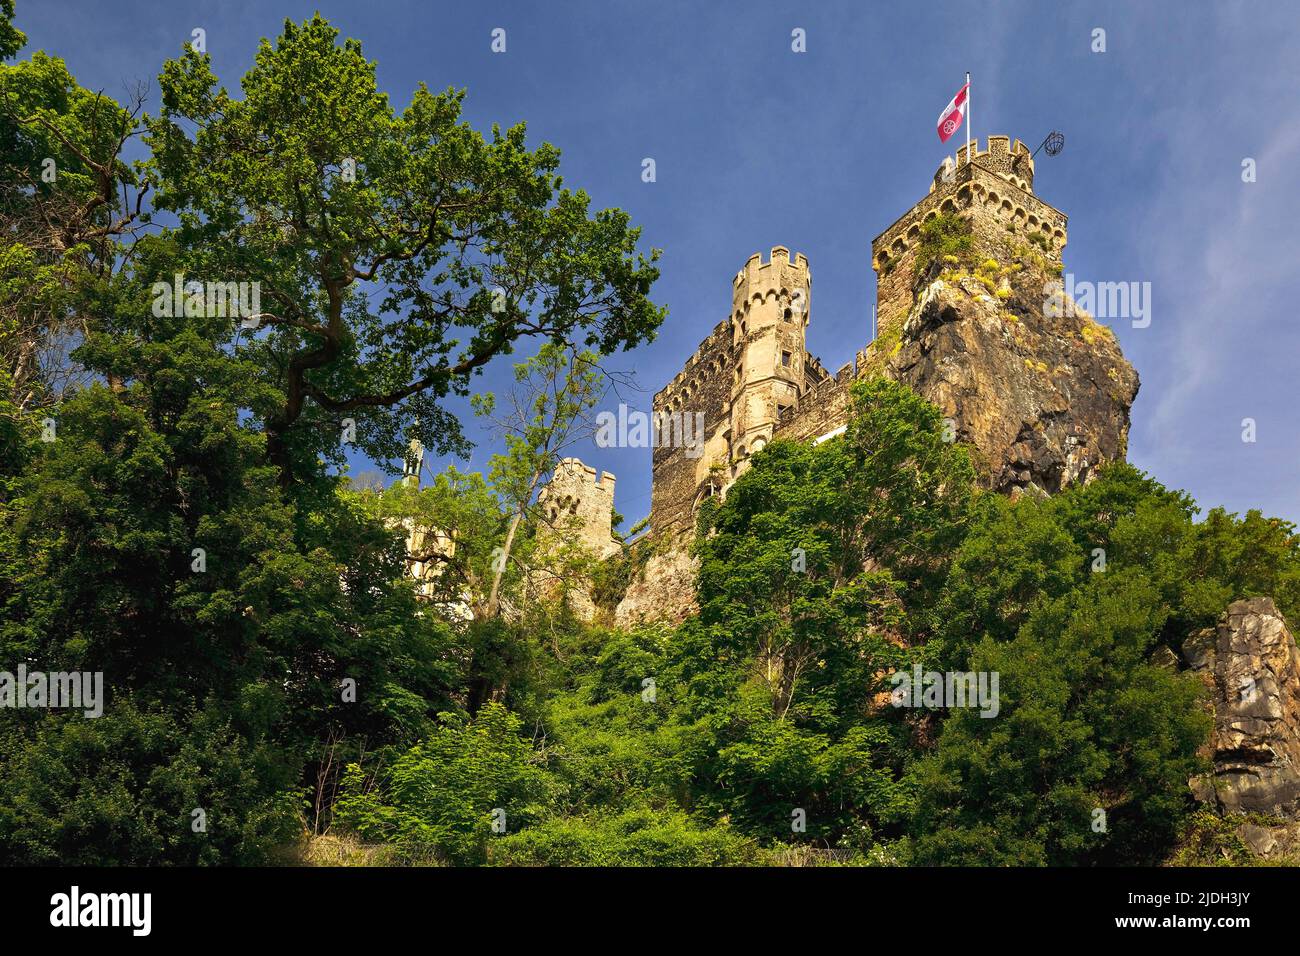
[(1251, 665), (663, 591), (1040, 391)]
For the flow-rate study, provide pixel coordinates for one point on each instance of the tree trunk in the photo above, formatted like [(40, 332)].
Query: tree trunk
[(494, 599)]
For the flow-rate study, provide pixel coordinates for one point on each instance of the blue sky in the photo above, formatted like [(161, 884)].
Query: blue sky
[(757, 146)]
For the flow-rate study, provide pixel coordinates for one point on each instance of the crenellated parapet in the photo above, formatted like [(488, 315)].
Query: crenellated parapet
[(1011, 161), (710, 359), (780, 277), (824, 407)]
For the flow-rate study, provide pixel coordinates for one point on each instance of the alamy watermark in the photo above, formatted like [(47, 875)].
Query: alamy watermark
[(636, 429), (195, 299), (1101, 300), (933, 690), (75, 908), (61, 690)]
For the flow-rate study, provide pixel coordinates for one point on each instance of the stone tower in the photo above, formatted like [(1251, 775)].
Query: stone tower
[(994, 193), (769, 314), (743, 378), (580, 506)]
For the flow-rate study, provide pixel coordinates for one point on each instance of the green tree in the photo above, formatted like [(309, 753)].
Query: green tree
[(1088, 757), (806, 569), (398, 253), (550, 410), (67, 202)]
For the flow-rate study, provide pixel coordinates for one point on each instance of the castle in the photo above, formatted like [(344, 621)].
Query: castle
[(753, 377), (1042, 400)]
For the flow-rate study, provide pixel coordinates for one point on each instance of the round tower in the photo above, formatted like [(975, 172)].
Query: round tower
[(769, 314)]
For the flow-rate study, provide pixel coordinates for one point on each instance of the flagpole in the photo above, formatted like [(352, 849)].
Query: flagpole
[(969, 157)]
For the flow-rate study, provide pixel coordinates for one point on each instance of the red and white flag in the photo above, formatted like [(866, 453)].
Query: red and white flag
[(953, 114)]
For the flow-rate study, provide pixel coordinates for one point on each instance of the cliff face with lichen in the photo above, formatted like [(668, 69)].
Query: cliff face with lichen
[(1040, 393), (1251, 669)]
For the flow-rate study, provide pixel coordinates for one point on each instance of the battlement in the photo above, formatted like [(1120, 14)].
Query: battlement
[(813, 367), (706, 359), (1011, 161), (824, 406), (576, 470), (779, 276)]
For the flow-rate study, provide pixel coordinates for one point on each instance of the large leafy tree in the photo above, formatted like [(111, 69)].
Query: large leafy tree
[(1018, 555), (1068, 599), (183, 534), (1088, 758), (806, 570), (815, 543), (398, 252)]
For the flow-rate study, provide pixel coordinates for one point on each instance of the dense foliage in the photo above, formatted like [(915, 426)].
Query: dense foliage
[(175, 514)]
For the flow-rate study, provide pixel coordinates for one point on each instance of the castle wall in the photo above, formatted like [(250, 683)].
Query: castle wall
[(680, 474), (824, 408), (580, 506)]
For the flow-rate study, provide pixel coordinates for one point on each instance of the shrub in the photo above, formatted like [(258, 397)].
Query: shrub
[(121, 790), (444, 794), (639, 837), (946, 237)]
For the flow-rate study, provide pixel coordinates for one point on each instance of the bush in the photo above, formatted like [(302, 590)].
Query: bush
[(445, 795), (946, 237), (640, 837), (121, 790)]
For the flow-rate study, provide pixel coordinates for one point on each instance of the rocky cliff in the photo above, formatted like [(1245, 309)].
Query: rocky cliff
[(1038, 388), (1252, 669)]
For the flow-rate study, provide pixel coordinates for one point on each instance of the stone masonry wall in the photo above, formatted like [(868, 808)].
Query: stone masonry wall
[(704, 385), (580, 504)]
